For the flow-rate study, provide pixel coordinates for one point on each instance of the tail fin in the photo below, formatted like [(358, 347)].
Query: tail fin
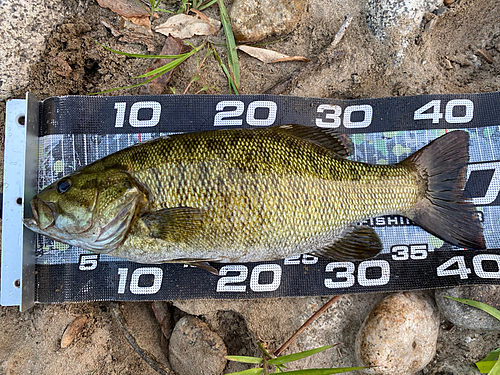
[(440, 168)]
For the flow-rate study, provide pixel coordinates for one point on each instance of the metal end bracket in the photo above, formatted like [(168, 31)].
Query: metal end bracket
[(20, 175)]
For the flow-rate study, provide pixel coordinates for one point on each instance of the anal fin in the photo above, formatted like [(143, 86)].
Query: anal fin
[(355, 243)]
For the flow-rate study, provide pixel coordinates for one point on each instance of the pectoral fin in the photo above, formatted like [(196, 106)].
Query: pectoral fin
[(355, 243), (174, 224)]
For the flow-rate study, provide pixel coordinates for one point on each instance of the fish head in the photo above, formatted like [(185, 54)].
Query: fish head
[(93, 210)]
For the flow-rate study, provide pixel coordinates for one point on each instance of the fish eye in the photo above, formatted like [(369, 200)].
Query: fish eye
[(63, 186)]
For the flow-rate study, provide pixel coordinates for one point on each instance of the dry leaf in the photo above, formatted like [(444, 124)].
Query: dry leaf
[(73, 330), (137, 34), (129, 9), (172, 46), (269, 56), (183, 26)]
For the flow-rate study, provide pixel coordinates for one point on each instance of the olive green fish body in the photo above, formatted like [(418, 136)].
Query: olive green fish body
[(250, 195)]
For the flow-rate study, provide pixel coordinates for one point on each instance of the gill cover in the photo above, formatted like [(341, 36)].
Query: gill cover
[(89, 210)]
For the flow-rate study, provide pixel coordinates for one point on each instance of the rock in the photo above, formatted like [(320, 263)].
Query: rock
[(399, 336), (23, 37), (273, 320), (394, 22), (467, 316), (253, 20), (194, 349)]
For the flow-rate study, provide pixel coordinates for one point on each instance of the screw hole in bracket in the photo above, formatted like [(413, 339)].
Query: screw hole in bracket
[(19, 201), (21, 120), (17, 283)]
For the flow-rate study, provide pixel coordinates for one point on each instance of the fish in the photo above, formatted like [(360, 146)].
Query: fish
[(247, 195)]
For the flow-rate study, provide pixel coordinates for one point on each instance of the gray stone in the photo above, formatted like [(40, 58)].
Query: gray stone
[(23, 32), (253, 20), (194, 349), (467, 316), (395, 22), (399, 336)]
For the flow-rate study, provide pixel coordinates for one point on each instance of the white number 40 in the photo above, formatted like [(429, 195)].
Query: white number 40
[(432, 111)]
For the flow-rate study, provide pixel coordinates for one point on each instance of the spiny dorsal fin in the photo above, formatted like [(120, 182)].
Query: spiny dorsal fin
[(330, 139), (175, 223), (356, 243)]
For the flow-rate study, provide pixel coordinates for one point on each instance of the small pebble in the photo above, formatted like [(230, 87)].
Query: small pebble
[(253, 20), (73, 330), (466, 316), (399, 336), (194, 349)]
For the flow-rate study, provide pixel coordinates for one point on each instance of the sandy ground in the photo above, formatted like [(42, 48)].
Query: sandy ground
[(439, 59)]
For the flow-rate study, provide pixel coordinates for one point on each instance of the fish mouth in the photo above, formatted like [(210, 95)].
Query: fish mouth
[(44, 215)]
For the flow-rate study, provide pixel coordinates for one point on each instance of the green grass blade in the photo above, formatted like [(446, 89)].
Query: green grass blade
[(264, 350), (146, 9), (244, 359), (231, 83), (493, 355), (164, 68), (485, 366), (252, 371), (296, 356), (232, 55), (172, 64), (482, 306), (487, 363), (141, 55), (210, 3), (324, 371), (496, 369), (126, 87)]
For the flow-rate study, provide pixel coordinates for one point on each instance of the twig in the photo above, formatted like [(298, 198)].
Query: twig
[(323, 58), (306, 324), (340, 34), (148, 358)]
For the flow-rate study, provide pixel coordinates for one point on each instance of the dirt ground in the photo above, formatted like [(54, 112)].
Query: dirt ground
[(439, 59)]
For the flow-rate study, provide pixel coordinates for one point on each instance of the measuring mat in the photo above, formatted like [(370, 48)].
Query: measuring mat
[(46, 140)]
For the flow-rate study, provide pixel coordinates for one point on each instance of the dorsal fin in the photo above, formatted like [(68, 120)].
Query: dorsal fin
[(329, 138), (355, 243)]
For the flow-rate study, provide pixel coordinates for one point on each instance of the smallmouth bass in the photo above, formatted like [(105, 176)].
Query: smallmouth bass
[(244, 195)]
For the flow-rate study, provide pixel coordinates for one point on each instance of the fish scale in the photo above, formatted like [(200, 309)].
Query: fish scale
[(273, 199), (243, 195)]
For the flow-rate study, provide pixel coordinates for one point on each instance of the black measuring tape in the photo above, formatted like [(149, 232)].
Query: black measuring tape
[(76, 130)]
